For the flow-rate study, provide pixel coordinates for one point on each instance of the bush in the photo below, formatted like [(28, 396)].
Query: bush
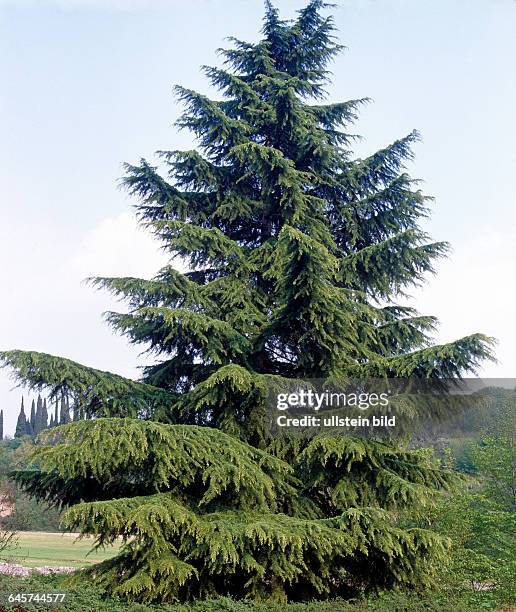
[(78, 598), (85, 598), (28, 514)]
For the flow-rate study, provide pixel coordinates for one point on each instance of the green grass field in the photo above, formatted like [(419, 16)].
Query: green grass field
[(38, 548)]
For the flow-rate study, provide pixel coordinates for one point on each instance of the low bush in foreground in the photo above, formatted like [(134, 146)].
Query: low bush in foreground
[(84, 598)]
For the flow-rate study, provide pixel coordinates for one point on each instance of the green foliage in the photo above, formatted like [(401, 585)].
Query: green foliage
[(206, 521), (81, 598), (28, 514), (290, 243), (38, 420), (94, 392), (22, 425), (85, 597), (482, 564), (495, 458), (32, 430), (352, 472), (128, 455), (480, 520)]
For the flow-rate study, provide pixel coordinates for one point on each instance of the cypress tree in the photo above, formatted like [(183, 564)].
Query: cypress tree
[(21, 423), (36, 423), (38, 419), (44, 415), (297, 255), (65, 411), (31, 427)]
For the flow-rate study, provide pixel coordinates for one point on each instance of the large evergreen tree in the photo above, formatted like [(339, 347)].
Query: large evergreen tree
[(297, 255)]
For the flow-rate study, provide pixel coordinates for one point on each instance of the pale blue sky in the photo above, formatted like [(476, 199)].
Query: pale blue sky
[(87, 85)]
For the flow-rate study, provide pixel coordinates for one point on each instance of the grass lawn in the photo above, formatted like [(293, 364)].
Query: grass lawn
[(38, 548)]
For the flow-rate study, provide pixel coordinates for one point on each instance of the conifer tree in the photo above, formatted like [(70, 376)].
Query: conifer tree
[(38, 419), (298, 254), (36, 426), (57, 418), (21, 423), (44, 415), (62, 417), (31, 429), (65, 411)]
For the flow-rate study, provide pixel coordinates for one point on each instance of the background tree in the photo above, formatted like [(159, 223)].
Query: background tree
[(480, 520), (31, 421), (37, 425), (8, 538), (494, 454), (52, 422), (24, 513), (21, 423), (65, 411), (297, 256), (37, 421), (44, 415)]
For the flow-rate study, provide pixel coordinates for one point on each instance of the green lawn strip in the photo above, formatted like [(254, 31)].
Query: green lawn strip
[(37, 549)]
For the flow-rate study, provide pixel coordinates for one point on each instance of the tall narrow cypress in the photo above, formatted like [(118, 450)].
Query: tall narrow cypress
[(31, 428), (297, 255), (37, 424), (44, 415), (65, 411), (21, 423)]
